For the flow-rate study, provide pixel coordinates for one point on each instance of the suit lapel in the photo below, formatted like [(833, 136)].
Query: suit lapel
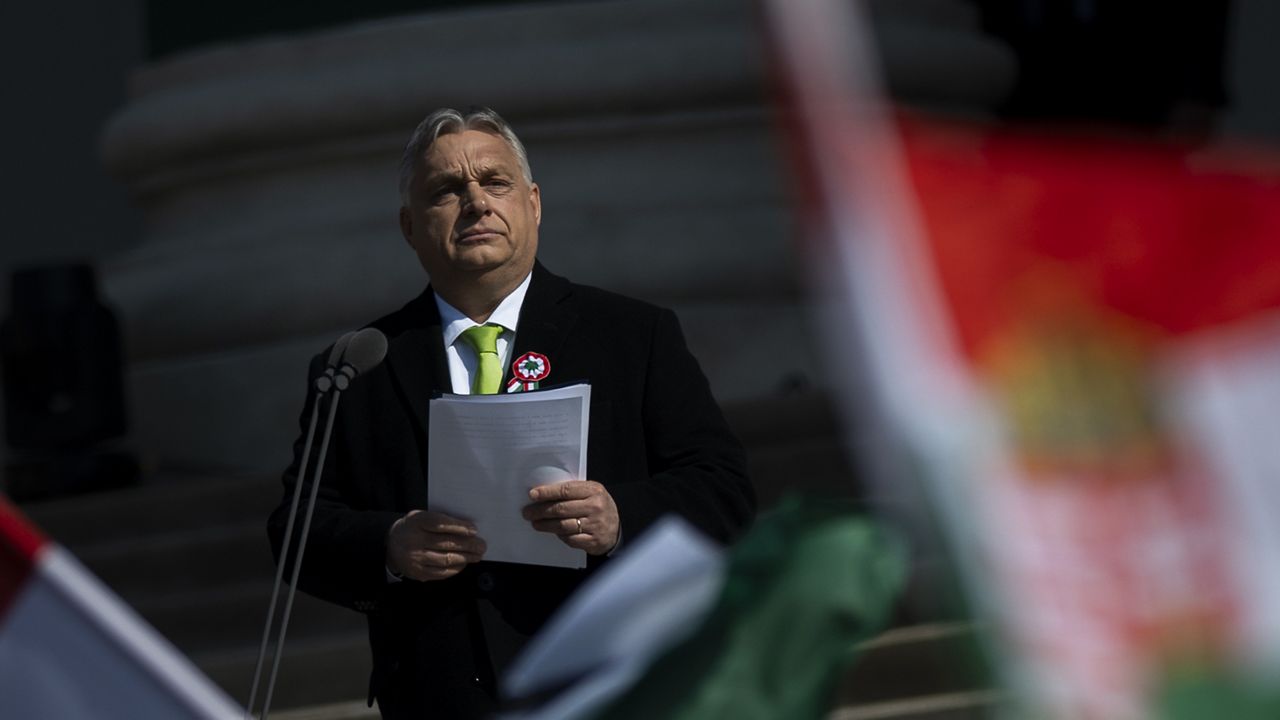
[(416, 356), (545, 321)]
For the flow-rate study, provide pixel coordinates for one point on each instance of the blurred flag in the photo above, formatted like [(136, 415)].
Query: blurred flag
[(69, 648), (1080, 341), (809, 582), (677, 628)]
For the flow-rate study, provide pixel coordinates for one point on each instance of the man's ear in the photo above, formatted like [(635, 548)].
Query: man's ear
[(535, 197), (406, 225)]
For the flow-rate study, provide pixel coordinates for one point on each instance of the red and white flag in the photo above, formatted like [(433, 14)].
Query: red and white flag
[(69, 648), (1079, 341)]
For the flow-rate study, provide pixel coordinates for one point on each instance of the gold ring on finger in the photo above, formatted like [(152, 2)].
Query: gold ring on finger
[(579, 525)]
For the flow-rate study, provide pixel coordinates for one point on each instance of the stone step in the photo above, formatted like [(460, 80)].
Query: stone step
[(931, 595), (908, 673), (355, 710), (232, 617), (795, 443), (912, 661), (780, 418), (978, 705), (972, 705), (315, 671), (192, 560), (159, 507), (817, 465)]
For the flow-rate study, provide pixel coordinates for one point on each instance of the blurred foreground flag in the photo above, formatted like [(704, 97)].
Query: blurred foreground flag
[(810, 581), (681, 629), (1079, 342), (69, 648)]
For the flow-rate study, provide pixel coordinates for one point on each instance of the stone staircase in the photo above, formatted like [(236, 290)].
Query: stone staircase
[(190, 554)]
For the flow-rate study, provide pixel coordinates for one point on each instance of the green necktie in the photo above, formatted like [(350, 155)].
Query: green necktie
[(484, 340)]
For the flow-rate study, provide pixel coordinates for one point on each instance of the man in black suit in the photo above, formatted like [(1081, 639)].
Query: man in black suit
[(443, 622)]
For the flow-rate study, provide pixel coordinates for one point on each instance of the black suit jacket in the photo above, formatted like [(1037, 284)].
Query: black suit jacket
[(658, 442)]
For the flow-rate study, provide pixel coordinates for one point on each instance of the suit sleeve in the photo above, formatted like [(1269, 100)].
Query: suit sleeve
[(697, 468), (344, 559)]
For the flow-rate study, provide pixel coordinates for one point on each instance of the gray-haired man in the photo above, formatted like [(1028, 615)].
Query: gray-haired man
[(443, 622)]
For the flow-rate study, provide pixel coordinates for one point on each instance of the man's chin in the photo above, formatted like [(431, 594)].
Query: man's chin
[(483, 261), (479, 263), (477, 254)]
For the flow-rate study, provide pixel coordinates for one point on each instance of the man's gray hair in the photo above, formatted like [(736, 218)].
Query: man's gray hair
[(447, 121)]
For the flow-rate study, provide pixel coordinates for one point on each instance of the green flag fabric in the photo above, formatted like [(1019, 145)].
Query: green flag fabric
[(1206, 693), (810, 580)]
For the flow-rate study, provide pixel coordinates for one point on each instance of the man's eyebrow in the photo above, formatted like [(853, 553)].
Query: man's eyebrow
[(489, 171), (442, 177)]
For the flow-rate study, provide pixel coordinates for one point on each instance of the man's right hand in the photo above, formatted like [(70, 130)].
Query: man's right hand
[(425, 545)]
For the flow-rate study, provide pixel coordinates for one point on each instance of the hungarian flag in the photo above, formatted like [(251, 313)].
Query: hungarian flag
[(1078, 339), (69, 648)]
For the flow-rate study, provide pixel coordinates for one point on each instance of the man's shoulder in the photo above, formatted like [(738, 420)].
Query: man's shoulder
[(619, 319), (418, 312), (415, 314), (596, 300)]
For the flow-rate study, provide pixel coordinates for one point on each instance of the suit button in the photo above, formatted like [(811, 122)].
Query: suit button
[(394, 666), (485, 581)]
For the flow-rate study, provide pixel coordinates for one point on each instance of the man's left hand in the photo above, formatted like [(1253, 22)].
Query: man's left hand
[(580, 512)]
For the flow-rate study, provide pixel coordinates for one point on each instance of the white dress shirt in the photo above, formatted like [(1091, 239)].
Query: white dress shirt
[(462, 358)]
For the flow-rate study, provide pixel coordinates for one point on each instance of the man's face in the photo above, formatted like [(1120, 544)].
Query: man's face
[(471, 212)]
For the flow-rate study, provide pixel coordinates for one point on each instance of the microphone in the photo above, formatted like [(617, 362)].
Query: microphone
[(325, 382), (365, 351), (353, 354)]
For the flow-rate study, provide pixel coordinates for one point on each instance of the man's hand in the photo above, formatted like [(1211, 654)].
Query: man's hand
[(580, 512), (431, 546)]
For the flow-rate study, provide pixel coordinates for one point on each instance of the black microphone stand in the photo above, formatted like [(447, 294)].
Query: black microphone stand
[(322, 385), (364, 350), (340, 383)]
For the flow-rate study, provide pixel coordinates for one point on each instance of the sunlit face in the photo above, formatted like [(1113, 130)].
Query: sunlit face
[(471, 213)]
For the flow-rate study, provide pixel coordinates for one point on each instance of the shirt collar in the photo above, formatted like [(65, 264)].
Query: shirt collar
[(507, 314)]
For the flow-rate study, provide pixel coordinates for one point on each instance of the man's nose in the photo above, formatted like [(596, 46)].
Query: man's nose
[(475, 199)]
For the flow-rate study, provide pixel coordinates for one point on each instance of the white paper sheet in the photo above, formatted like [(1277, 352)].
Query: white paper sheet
[(487, 451)]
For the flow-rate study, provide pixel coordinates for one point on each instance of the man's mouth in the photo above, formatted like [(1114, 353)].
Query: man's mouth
[(475, 236)]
